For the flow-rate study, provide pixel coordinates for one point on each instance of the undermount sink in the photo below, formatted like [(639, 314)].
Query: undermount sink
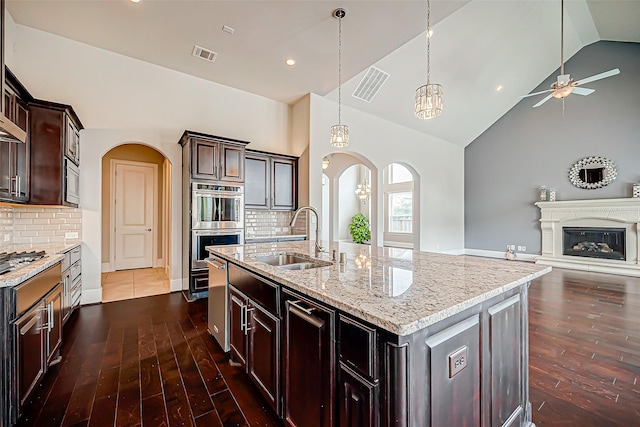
[(292, 261)]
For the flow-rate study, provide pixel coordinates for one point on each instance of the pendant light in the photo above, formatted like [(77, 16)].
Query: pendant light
[(429, 101), (339, 132)]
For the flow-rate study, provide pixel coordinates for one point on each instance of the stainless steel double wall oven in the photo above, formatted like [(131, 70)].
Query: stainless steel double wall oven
[(213, 202)]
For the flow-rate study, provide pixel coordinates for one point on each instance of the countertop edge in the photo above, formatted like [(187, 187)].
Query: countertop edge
[(35, 268)]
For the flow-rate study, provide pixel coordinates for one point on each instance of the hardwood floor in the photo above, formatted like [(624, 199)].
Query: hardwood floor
[(584, 349), (148, 361), (151, 362)]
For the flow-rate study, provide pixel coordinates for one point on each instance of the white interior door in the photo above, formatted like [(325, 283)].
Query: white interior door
[(134, 202)]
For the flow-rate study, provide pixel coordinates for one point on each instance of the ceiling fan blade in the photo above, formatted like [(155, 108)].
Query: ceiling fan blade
[(545, 99), (582, 91), (536, 93), (598, 77)]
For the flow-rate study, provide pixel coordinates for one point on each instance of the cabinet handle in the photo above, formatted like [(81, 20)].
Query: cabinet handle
[(14, 186), (45, 324), (246, 319), (242, 317), (296, 303), (51, 317)]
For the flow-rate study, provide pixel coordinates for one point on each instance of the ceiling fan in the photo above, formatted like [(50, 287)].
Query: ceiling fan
[(565, 85)]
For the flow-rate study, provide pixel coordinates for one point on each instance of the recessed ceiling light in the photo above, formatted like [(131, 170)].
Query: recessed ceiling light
[(134, 1), (290, 61), (498, 88), (227, 29)]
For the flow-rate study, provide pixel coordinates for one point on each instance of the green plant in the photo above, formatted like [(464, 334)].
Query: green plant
[(359, 228)]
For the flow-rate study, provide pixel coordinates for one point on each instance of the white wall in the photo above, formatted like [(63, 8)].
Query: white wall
[(123, 100), (440, 164)]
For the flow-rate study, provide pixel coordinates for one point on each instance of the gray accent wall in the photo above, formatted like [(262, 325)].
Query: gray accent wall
[(527, 148)]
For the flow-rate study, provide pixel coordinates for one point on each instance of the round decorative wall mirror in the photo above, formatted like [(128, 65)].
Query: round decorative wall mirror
[(593, 172)]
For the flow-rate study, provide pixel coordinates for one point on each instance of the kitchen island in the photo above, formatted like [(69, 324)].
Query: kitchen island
[(390, 337)]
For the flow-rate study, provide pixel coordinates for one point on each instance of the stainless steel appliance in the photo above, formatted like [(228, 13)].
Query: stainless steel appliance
[(203, 238), (218, 316), (217, 206)]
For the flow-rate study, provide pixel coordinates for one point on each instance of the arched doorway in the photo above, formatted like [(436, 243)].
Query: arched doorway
[(136, 200)]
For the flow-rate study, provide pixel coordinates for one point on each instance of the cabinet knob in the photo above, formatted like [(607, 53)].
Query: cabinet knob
[(148, 229)]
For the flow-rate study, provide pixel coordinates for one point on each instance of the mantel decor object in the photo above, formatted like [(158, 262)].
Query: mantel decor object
[(544, 194), (636, 190)]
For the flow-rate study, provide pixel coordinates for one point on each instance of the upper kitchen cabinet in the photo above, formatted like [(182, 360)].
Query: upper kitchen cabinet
[(271, 181), (213, 158), (14, 155), (54, 153)]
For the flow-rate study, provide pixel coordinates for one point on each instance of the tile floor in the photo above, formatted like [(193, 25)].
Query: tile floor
[(128, 284)]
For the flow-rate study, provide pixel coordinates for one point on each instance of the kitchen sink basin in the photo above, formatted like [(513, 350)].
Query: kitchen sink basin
[(292, 261)]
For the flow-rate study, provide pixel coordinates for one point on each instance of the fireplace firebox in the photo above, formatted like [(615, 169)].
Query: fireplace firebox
[(592, 242)]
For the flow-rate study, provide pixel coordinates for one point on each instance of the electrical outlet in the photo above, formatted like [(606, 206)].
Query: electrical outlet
[(7, 237), (71, 235), (513, 247), (519, 248), (524, 249)]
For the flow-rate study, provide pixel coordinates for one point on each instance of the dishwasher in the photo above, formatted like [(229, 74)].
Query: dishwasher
[(218, 312)]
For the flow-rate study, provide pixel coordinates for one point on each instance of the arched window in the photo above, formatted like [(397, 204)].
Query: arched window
[(398, 206)]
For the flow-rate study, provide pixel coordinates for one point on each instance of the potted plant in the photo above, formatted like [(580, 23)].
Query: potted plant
[(359, 228)]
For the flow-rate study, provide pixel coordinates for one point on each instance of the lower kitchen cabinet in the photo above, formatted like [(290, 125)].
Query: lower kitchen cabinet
[(357, 400), (309, 362), (53, 303), (255, 344), (71, 281), (30, 346)]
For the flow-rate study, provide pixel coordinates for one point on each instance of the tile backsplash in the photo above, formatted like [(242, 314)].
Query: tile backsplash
[(260, 223), (29, 225)]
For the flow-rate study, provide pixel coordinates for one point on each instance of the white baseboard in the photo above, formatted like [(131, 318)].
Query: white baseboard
[(175, 285), (91, 296), (454, 252), (106, 267), (500, 254)]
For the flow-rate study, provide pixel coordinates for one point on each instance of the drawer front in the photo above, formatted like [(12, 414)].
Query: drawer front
[(358, 346), (76, 270), (36, 287), (76, 293), (257, 289), (66, 261), (75, 255)]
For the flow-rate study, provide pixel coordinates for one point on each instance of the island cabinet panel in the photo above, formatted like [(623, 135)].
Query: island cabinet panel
[(237, 335), (358, 347), (454, 364), (264, 354), (309, 363), (506, 362), (357, 399)]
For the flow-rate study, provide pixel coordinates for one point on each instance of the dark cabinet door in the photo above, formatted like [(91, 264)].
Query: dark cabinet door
[(30, 350), (237, 331), (309, 364), (6, 175), (54, 322), (264, 354), (257, 188), (283, 183), (72, 141), (14, 171), (205, 160), (357, 400), (232, 166)]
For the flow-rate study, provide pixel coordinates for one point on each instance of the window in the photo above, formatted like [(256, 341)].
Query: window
[(401, 209), (398, 174)]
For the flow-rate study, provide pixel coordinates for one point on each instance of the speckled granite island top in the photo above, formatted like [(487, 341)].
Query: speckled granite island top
[(399, 290)]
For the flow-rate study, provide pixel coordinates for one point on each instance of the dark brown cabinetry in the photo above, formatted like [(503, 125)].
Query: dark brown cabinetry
[(255, 331), (53, 134), (271, 181), (71, 281), (309, 362), (214, 158), (14, 155), (357, 399), (30, 346)]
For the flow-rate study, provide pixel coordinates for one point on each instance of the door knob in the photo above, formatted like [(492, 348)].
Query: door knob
[(148, 229)]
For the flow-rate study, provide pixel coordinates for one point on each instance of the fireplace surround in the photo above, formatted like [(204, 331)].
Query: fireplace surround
[(599, 235)]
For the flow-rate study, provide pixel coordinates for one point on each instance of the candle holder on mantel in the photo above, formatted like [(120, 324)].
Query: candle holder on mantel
[(544, 194), (552, 195), (636, 190)]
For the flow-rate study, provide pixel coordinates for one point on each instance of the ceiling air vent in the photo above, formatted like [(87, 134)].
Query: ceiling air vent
[(370, 84), (202, 53)]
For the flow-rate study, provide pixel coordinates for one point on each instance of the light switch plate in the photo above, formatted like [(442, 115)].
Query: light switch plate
[(7, 237), (71, 235)]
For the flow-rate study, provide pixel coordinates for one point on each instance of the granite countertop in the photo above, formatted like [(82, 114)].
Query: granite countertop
[(54, 255), (399, 290)]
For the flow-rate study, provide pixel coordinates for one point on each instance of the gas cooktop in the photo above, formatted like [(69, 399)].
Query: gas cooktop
[(13, 260)]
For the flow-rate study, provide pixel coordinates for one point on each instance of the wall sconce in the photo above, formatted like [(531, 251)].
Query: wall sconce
[(325, 162)]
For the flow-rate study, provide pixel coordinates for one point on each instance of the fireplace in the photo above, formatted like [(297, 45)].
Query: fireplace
[(600, 235), (594, 242)]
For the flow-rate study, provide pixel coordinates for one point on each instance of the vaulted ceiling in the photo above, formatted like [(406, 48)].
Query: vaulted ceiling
[(477, 46)]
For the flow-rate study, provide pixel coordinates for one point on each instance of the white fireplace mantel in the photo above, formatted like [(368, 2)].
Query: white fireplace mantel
[(613, 213)]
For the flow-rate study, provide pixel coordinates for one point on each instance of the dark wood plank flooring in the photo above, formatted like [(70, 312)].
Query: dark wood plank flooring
[(584, 336), (151, 362)]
